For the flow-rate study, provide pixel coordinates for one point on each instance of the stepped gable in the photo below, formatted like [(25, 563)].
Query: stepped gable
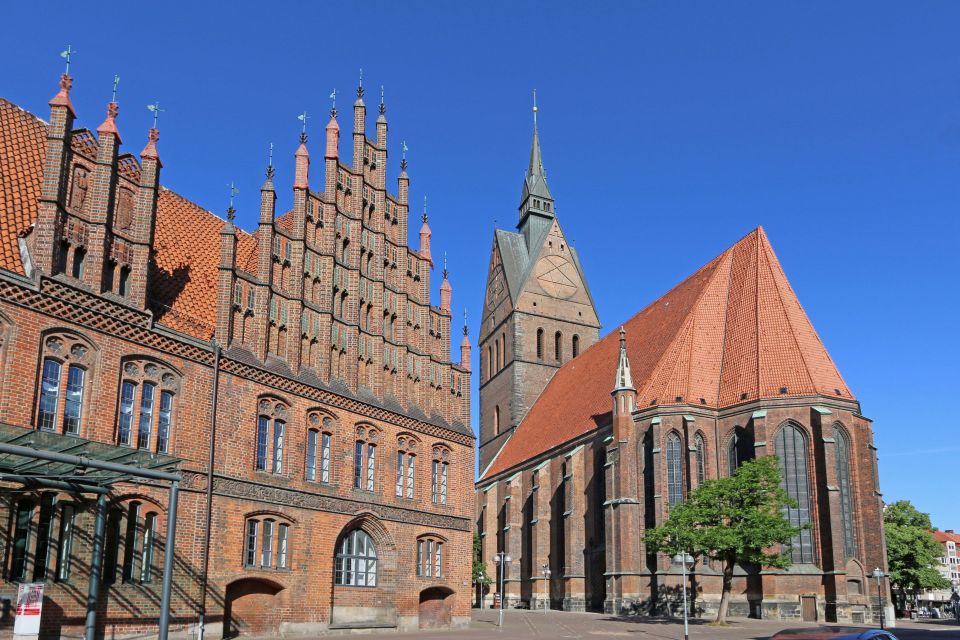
[(23, 147), (183, 274), (734, 331)]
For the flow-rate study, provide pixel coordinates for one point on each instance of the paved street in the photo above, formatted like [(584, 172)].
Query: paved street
[(557, 625)]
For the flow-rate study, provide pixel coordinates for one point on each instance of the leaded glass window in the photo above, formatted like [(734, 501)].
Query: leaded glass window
[(846, 492), (701, 455), (674, 470), (356, 561), (791, 449)]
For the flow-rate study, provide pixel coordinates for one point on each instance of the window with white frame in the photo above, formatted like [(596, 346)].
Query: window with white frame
[(145, 412), (365, 458), (66, 363), (356, 561), (319, 441), (429, 557), (271, 429), (266, 542), (441, 460), (406, 458)]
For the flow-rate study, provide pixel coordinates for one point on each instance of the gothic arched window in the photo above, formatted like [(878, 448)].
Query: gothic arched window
[(791, 449), (406, 459), (147, 391), (701, 454), (558, 346), (576, 346), (846, 499), (674, 470), (272, 413), (739, 450), (356, 562), (64, 377), (365, 458), (539, 344)]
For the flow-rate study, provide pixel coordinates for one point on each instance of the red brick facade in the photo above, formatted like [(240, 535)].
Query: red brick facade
[(331, 352)]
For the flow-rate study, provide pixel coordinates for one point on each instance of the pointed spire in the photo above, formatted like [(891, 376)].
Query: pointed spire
[(425, 234), (624, 381), (383, 106), (465, 344), (360, 90), (446, 291), (110, 124), (535, 180)]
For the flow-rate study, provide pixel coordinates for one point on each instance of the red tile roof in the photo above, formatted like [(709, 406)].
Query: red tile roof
[(734, 327), (23, 139), (187, 241), (946, 536)]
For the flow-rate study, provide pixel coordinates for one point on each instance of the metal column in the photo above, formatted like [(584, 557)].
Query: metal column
[(168, 561), (96, 562)]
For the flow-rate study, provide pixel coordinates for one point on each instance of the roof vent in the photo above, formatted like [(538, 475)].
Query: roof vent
[(678, 399), (703, 401), (839, 393), (783, 390), (653, 402), (743, 396)]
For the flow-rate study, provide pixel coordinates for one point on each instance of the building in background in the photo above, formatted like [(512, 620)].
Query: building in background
[(949, 568), (594, 445), (342, 456)]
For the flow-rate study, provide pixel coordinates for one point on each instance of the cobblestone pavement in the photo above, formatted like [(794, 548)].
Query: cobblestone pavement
[(558, 625)]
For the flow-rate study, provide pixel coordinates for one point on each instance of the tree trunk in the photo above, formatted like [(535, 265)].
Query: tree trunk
[(725, 592)]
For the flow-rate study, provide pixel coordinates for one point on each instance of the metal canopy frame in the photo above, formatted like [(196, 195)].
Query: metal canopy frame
[(51, 460)]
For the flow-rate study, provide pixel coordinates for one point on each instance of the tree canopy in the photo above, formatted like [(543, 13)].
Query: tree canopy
[(735, 520), (912, 552)]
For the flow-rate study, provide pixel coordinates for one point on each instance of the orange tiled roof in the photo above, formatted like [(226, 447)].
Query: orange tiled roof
[(946, 536), (734, 327), (187, 240), (23, 143)]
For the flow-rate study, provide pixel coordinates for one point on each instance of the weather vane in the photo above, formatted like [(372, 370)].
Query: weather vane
[(444, 264), (233, 191), (383, 107), (403, 158), (424, 208), (464, 321), (333, 101), (303, 117), (270, 162), (116, 81), (535, 107), (155, 109), (360, 86), (66, 55)]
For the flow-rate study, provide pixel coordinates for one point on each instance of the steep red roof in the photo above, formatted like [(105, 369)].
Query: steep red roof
[(187, 240), (946, 536), (23, 139), (734, 327)]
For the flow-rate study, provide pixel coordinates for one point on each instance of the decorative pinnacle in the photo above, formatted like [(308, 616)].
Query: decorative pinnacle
[(233, 191), (270, 170), (360, 86), (303, 117), (623, 337), (116, 81), (333, 103), (67, 54), (383, 107), (155, 109), (464, 321), (403, 157), (445, 272), (424, 216)]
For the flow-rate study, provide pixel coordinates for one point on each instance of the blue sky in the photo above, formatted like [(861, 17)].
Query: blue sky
[(669, 131)]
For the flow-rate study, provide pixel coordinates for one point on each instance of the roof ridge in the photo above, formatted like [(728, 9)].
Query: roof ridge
[(22, 110), (723, 340), (203, 209)]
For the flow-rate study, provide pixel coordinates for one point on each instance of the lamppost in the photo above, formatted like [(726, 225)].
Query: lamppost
[(545, 570), (501, 559), (481, 579), (685, 560), (878, 574)]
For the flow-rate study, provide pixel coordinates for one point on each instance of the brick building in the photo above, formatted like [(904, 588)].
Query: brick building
[(724, 367), (342, 457), (949, 568)]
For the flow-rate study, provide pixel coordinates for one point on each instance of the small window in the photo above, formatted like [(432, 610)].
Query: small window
[(496, 420), (123, 284), (575, 346), (558, 346), (429, 558), (539, 344), (79, 260)]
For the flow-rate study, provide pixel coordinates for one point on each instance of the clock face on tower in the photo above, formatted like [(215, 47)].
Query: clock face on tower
[(557, 276), (494, 287)]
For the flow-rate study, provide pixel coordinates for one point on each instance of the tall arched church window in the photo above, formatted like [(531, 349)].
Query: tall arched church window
[(66, 363), (145, 416), (701, 456), (499, 362), (846, 491), (739, 450), (539, 344), (356, 562), (791, 449), (674, 470)]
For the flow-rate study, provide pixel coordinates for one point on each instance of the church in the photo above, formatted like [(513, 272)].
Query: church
[(222, 432), (586, 441)]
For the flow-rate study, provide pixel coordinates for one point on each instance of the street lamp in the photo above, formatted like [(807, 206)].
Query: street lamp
[(481, 579), (878, 574), (685, 560), (545, 570), (501, 559)]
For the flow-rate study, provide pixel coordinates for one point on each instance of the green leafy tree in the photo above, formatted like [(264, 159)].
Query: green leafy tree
[(912, 551), (479, 566), (735, 520)]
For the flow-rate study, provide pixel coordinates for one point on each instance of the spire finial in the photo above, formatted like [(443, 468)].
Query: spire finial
[(445, 272), (270, 170), (116, 81), (333, 103), (424, 216), (231, 212), (155, 110), (623, 337), (66, 55), (303, 117), (464, 321), (534, 107), (383, 107), (360, 86), (403, 156)]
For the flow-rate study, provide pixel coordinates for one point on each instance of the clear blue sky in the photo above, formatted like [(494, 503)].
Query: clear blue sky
[(669, 131)]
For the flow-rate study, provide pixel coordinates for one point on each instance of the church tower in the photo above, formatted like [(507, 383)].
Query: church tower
[(537, 314)]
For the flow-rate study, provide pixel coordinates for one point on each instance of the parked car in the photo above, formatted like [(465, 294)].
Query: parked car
[(833, 633)]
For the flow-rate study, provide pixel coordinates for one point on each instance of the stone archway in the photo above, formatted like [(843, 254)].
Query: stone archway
[(249, 607), (369, 602), (434, 611)]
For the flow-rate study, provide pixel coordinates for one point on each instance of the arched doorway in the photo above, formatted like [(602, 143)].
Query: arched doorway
[(364, 580), (434, 608), (249, 607)]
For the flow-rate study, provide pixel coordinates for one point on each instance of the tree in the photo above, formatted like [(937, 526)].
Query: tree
[(735, 520), (912, 551), (479, 566)]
